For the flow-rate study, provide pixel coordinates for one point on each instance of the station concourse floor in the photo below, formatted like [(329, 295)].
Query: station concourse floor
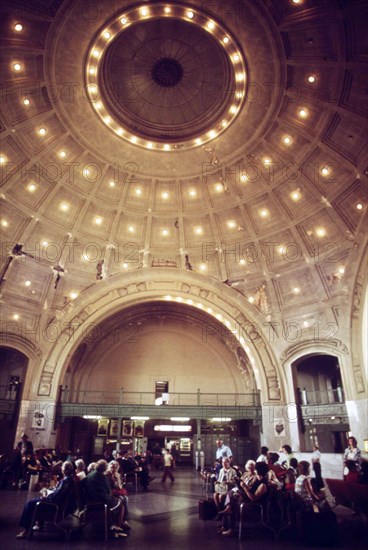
[(166, 518)]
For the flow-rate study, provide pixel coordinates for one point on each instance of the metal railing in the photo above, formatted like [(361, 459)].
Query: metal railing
[(123, 397)]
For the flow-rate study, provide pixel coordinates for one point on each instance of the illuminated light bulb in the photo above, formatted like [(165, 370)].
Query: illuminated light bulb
[(190, 302), (165, 195), (4, 223), (295, 195), (359, 206), (239, 77), (17, 67), (98, 105), (45, 243), (86, 172), (287, 140), (73, 295), (93, 88), (267, 162), (297, 1), (26, 101), (107, 120), (167, 9), (342, 270), (15, 316), (18, 27), (179, 299), (112, 184), (62, 154), (96, 53), (251, 299), (190, 14), (219, 187), (107, 35), (305, 324), (120, 131), (280, 250), (303, 113), (144, 11), (31, 187), (149, 145), (92, 70), (42, 131), (165, 232), (239, 95), (296, 290), (311, 79), (131, 229), (236, 57), (264, 213), (168, 297), (231, 224), (244, 177), (321, 232), (28, 283), (212, 134), (242, 261), (2, 159), (226, 40), (123, 20), (125, 265), (193, 193), (224, 123), (198, 230), (325, 171), (211, 25), (98, 220), (166, 146), (233, 109), (198, 141), (138, 191), (203, 267), (64, 207)]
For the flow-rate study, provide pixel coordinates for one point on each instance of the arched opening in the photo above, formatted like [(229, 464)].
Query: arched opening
[(12, 377), (160, 355), (319, 393)]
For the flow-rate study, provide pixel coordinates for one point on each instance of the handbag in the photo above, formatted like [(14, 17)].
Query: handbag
[(120, 492)]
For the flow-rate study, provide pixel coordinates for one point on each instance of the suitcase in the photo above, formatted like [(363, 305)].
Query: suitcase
[(317, 529), (207, 509)]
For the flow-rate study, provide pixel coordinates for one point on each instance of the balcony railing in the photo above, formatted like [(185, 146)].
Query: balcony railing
[(321, 397), (123, 397)]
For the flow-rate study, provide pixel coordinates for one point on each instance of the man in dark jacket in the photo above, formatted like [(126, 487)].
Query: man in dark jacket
[(63, 496)]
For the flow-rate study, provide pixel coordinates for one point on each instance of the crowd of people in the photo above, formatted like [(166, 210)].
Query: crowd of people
[(274, 476)]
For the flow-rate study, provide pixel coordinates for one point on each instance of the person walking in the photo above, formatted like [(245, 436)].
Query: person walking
[(168, 462)]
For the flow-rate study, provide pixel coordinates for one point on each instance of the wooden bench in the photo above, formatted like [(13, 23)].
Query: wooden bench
[(351, 495)]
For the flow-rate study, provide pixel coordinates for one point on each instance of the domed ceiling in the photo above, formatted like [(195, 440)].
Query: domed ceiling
[(229, 138)]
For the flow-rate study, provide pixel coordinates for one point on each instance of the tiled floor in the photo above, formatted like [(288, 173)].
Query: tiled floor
[(166, 517)]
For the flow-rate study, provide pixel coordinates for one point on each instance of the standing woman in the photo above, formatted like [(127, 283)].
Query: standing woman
[(352, 452), (316, 465)]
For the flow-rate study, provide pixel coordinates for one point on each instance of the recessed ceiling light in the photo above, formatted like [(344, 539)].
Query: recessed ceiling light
[(296, 290), (4, 223), (239, 77), (26, 101), (2, 159), (17, 67), (211, 25), (45, 243), (62, 154), (92, 70), (120, 131), (236, 57), (244, 177), (42, 131), (149, 145), (224, 123), (359, 206), (165, 195), (287, 140), (131, 229), (190, 14), (73, 295), (219, 187), (198, 141), (193, 193), (264, 213), (225, 40), (98, 220), (98, 105), (251, 299), (138, 191), (165, 232), (233, 109), (167, 9), (267, 161), (125, 265), (212, 134), (112, 183), (303, 113), (295, 195), (342, 270), (85, 171), (96, 53), (15, 316), (123, 20), (166, 146), (93, 88), (325, 171), (242, 261), (198, 230), (297, 1), (321, 232), (64, 206), (231, 224), (18, 27), (311, 78), (202, 267), (31, 187), (107, 35), (107, 120), (28, 283)]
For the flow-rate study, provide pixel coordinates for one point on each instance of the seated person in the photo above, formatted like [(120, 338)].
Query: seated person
[(62, 496), (249, 477), (303, 487), (80, 469), (117, 488), (98, 489), (257, 492), (226, 480), (291, 475), (353, 475), (279, 471)]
